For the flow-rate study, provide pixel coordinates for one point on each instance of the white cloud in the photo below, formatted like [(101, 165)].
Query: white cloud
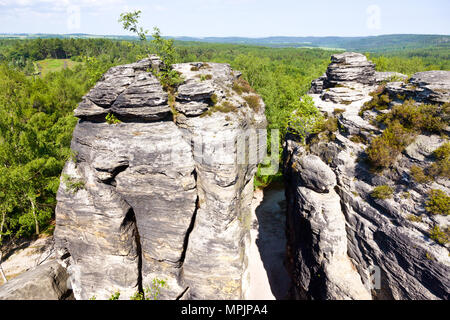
[(66, 14), (374, 17), (159, 8), (20, 8), (59, 3)]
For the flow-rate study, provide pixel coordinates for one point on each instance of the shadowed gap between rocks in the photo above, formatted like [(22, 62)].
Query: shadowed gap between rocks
[(271, 241), (190, 229), (186, 238), (130, 218)]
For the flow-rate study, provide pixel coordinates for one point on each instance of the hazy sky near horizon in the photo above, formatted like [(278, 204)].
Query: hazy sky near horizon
[(246, 18)]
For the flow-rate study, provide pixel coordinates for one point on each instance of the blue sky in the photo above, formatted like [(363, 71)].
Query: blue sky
[(248, 18)]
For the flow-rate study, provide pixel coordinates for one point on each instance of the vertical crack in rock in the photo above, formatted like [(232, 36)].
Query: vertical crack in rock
[(353, 248), (139, 252), (130, 219), (384, 242), (182, 294), (154, 206), (189, 230)]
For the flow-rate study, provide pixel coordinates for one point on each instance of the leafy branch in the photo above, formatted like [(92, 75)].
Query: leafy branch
[(130, 21), (164, 48)]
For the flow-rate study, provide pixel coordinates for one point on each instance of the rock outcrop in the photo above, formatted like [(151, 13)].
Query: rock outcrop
[(48, 281), (381, 77), (345, 70), (165, 192), (343, 243), (428, 87), (26, 256)]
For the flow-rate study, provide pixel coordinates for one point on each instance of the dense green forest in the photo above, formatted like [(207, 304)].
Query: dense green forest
[(411, 61), (380, 44), (36, 120)]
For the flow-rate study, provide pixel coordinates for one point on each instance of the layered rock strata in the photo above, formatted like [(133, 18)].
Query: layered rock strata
[(165, 192), (344, 243)]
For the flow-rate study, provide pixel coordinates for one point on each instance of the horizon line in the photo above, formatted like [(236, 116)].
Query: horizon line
[(244, 37)]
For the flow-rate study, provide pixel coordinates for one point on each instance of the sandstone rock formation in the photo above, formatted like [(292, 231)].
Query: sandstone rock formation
[(345, 70), (381, 77), (165, 193), (343, 243), (26, 256), (429, 87), (46, 282)]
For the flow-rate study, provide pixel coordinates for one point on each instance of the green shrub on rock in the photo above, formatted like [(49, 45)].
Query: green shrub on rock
[(380, 101), (441, 168), (438, 235), (242, 86), (111, 119), (438, 203), (72, 185), (330, 125), (382, 192), (414, 218), (254, 102), (384, 150), (419, 175), (305, 120), (420, 118)]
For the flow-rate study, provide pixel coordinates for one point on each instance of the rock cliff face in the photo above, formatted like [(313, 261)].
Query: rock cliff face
[(345, 70), (428, 87), (343, 243), (165, 193), (48, 281)]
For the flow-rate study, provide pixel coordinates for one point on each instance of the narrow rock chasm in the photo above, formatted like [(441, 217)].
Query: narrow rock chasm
[(269, 278)]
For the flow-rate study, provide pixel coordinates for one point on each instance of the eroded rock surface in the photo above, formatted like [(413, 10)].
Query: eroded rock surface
[(428, 87), (162, 194), (350, 67), (381, 77), (343, 243), (48, 281)]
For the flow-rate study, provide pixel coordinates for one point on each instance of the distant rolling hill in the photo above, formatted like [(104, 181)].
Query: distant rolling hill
[(372, 43)]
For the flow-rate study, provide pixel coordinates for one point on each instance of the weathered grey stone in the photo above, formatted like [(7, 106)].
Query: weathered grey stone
[(424, 146), (398, 88), (129, 91), (425, 87), (160, 199), (109, 88), (380, 238), (341, 241), (222, 76), (317, 85), (350, 67), (328, 232), (48, 281), (192, 108), (224, 186), (89, 109), (355, 125), (389, 76), (345, 78), (195, 91), (433, 86), (342, 95), (144, 98), (315, 174), (95, 227)]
